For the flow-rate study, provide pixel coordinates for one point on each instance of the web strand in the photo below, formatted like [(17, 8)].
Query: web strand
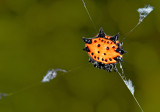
[(89, 15), (124, 80), (143, 13), (127, 34)]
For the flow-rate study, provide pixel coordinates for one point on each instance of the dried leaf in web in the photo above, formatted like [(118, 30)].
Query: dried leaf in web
[(51, 74), (143, 12)]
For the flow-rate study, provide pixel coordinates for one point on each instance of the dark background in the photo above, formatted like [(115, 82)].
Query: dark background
[(38, 35)]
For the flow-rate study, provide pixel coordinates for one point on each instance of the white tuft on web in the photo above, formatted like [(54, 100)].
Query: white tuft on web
[(129, 85), (2, 95), (51, 74), (143, 12)]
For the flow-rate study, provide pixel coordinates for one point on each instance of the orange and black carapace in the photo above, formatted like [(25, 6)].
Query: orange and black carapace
[(104, 51)]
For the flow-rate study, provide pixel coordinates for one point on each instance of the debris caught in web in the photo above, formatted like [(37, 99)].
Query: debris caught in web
[(128, 82), (143, 12), (129, 85), (51, 74), (2, 95)]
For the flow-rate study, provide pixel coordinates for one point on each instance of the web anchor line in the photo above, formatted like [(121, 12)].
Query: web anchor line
[(89, 15), (129, 85), (143, 13)]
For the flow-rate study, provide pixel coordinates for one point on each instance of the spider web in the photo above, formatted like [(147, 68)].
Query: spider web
[(51, 74)]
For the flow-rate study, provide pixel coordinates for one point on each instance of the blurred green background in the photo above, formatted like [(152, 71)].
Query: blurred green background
[(38, 35)]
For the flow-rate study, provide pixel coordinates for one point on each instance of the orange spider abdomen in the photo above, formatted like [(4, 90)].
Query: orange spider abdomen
[(104, 51)]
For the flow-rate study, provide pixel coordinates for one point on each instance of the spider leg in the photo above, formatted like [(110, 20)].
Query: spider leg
[(108, 67), (115, 68)]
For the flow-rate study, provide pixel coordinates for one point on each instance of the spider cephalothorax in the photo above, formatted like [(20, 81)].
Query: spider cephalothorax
[(104, 51)]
